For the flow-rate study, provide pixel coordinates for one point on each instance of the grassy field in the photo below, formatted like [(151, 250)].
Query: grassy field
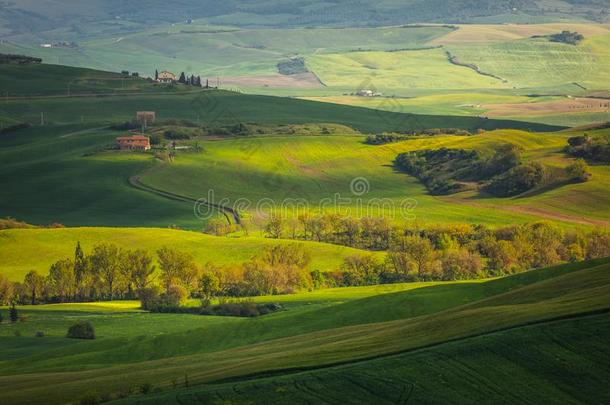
[(538, 63), (23, 250), (315, 168), (37, 161), (58, 172), (327, 331), (451, 372), (218, 108), (397, 72)]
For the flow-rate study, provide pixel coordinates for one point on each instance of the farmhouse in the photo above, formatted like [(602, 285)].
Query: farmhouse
[(166, 77), (134, 142)]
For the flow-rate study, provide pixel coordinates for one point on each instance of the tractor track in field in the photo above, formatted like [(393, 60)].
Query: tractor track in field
[(228, 212)]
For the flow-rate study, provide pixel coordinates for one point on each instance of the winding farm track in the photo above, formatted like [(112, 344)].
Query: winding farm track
[(228, 212)]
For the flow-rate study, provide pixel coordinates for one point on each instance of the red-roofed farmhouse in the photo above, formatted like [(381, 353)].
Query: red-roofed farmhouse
[(134, 142)]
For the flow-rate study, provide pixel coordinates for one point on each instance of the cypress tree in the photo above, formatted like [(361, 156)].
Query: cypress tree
[(80, 265), (156, 74), (182, 78), (13, 314)]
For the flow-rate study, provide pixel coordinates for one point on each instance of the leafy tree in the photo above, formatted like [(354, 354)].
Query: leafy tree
[(460, 264), (275, 227), (6, 290), (286, 255), (421, 253), (350, 231), (34, 285), (517, 180), (506, 157), (259, 277), (174, 296), (578, 171), (598, 244), (137, 269), (177, 268), (62, 280), (106, 263), (361, 270), (209, 287)]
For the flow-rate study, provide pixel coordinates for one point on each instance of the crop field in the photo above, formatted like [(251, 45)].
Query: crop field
[(538, 63), (400, 70), (327, 332)]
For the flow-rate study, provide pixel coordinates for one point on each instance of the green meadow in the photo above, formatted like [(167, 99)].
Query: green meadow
[(312, 333), (316, 168), (458, 366)]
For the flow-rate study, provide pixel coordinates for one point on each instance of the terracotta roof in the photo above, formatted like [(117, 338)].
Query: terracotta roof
[(133, 138)]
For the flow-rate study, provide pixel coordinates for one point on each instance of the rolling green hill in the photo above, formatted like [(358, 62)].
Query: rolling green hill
[(56, 80), (212, 349), (486, 368), (315, 168)]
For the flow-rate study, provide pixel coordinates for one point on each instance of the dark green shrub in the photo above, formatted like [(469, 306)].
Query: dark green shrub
[(90, 399), (517, 180), (81, 330), (146, 388), (13, 314), (149, 297), (156, 139), (176, 134)]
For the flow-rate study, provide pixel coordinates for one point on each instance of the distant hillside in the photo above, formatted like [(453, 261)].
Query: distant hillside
[(70, 17)]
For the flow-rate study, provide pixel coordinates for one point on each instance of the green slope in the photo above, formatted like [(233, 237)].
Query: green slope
[(48, 80), (217, 108), (565, 361), (530, 297)]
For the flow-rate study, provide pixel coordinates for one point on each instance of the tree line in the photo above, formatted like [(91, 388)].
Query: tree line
[(435, 253), (447, 171), (444, 252), (109, 272)]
